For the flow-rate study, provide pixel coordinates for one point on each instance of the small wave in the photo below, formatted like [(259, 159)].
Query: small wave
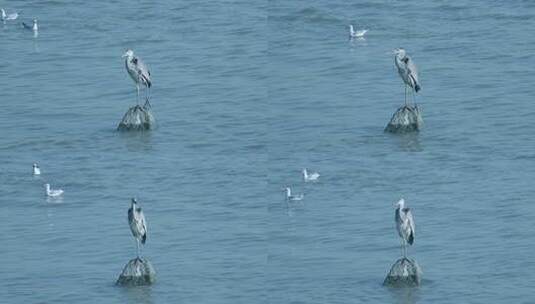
[(310, 15)]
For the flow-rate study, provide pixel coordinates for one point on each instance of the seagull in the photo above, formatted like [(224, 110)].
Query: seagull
[(404, 225), (290, 197), (312, 177), (356, 34), (6, 16), (137, 70), (407, 71), (36, 170), (136, 220), (33, 27), (53, 193)]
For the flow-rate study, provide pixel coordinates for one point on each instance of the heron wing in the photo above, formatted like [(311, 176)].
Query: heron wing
[(412, 70), (143, 71), (410, 223), (143, 226)]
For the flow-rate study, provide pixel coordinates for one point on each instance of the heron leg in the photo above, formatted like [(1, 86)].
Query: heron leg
[(137, 94), (405, 95), (147, 104), (137, 247), (147, 97)]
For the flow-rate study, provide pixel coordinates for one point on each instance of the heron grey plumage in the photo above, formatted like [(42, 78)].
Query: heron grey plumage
[(404, 225), (407, 71), (137, 70), (138, 226)]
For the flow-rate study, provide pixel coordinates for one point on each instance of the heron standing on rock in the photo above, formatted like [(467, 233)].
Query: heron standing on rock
[(407, 71), (138, 71), (404, 225), (136, 220)]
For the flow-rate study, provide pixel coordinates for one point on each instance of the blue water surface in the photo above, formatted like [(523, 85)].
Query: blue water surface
[(246, 94)]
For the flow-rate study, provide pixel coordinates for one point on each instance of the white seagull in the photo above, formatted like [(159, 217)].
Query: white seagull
[(138, 71), (294, 197), (53, 193), (404, 225), (34, 27), (6, 17), (407, 71), (36, 170), (356, 34), (136, 220), (312, 177)]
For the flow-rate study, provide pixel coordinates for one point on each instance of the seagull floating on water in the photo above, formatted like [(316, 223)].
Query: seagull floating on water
[(36, 170), (312, 177), (357, 33), (6, 17), (34, 27), (138, 71), (407, 71), (404, 225), (136, 220), (53, 192), (295, 197)]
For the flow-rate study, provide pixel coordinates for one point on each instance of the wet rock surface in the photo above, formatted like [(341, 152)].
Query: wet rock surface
[(404, 273), (137, 118), (406, 119), (137, 272)]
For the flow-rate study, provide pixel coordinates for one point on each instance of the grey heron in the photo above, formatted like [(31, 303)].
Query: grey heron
[(138, 71), (310, 177), (407, 71), (404, 225), (136, 220)]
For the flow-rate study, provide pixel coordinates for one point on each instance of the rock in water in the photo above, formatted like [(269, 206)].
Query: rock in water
[(404, 273), (137, 272), (406, 119), (137, 118)]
